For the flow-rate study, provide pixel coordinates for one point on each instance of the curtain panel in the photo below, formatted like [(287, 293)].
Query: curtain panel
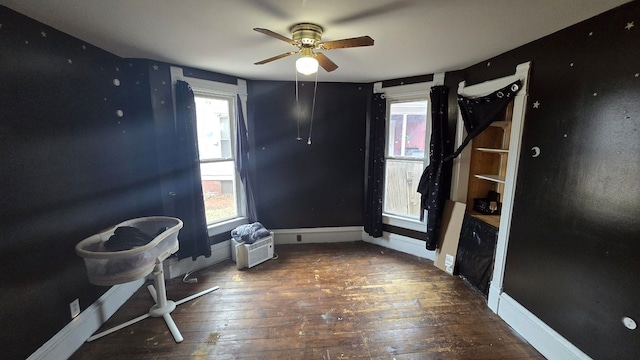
[(478, 113), (435, 182), (242, 162), (189, 206), (374, 171)]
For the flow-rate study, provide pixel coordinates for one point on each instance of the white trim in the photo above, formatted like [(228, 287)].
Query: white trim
[(318, 235), (438, 79), (404, 222), (63, 344), (242, 88), (377, 88), (229, 91), (228, 225), (410, 90), (219, 252), (402, 92), (460, 176), (517, 125), (242, 92), (546, 340), (207, 86), (401, 243), (406, 93), (461, 164)]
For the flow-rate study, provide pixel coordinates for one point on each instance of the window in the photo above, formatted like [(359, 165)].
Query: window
[(217, 166), (222, 191), (406, 157)]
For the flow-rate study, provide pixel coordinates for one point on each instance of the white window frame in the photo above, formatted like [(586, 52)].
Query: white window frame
[(229, 91), (403, 93)]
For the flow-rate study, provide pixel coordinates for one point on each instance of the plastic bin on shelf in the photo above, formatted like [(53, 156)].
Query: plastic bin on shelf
[(108, 268)]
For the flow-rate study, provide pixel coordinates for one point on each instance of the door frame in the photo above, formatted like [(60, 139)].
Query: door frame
[(460, 176)]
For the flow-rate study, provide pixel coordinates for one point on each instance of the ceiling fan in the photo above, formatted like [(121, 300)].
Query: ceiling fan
[(307, 38)]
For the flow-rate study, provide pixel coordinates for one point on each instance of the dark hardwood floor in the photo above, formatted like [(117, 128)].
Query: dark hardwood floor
[(318, 301)]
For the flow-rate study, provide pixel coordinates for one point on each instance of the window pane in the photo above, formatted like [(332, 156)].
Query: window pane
[(214, 128), (407, 129), (218, 191), (401, 185)]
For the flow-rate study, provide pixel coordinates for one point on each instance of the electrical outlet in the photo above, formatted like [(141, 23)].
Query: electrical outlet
[(74, 306), (298, 238)]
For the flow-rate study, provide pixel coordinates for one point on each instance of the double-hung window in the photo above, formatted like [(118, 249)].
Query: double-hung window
[(406, 156), (222, 191), (216, 140)]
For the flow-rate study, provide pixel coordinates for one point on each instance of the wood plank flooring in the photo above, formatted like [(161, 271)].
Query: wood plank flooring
[(318, 301)]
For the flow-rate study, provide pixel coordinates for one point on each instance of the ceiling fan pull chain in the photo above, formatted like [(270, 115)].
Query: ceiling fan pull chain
[(313, 108), (297, 109)]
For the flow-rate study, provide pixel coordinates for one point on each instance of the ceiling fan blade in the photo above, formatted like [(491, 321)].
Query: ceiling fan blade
[(275, 58), (346, 43), (275, 35), (325, 62)]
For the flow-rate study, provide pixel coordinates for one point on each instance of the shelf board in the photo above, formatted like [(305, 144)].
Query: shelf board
[(492, 150), (493, 220), (502, 124), (494, 178)]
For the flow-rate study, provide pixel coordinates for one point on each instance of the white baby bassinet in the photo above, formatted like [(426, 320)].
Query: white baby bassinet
[(107, 268)]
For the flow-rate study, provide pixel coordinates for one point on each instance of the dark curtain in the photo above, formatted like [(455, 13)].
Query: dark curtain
[(374, 171), (478, 113), (242, 162), (435, 182), (189, 206)]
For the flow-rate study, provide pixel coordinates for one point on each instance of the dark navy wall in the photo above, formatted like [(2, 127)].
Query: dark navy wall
[(70, 166), (300, 185), (574, 249)]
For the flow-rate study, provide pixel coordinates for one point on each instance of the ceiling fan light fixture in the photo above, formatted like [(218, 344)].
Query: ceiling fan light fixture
[(307, 37), (307, 65)]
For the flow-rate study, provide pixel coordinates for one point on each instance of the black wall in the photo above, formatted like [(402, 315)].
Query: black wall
[(69, 167), (574, 249), (300, 185)]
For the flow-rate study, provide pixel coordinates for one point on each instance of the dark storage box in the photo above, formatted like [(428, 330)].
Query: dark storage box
[(484, 206)]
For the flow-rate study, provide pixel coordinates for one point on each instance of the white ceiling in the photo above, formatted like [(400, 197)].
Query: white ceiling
[(412, 37)]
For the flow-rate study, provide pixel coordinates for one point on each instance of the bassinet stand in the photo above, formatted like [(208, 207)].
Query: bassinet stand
[(136, 263), (162, 308)]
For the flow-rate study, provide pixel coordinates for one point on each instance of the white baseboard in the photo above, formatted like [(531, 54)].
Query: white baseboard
[(219, 252), (318, 235), (401, 243), (71, 337), (222, 251), (546, 340)]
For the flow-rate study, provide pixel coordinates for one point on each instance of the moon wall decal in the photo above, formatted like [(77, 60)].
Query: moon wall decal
[(536, 151)]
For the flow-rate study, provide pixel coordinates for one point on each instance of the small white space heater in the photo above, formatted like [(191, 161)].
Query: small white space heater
[(250, 255)]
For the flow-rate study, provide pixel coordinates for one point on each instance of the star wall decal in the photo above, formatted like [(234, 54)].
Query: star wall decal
[(629, 25), (155, 67), (70, 61), (536, 104), (44, 34)]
